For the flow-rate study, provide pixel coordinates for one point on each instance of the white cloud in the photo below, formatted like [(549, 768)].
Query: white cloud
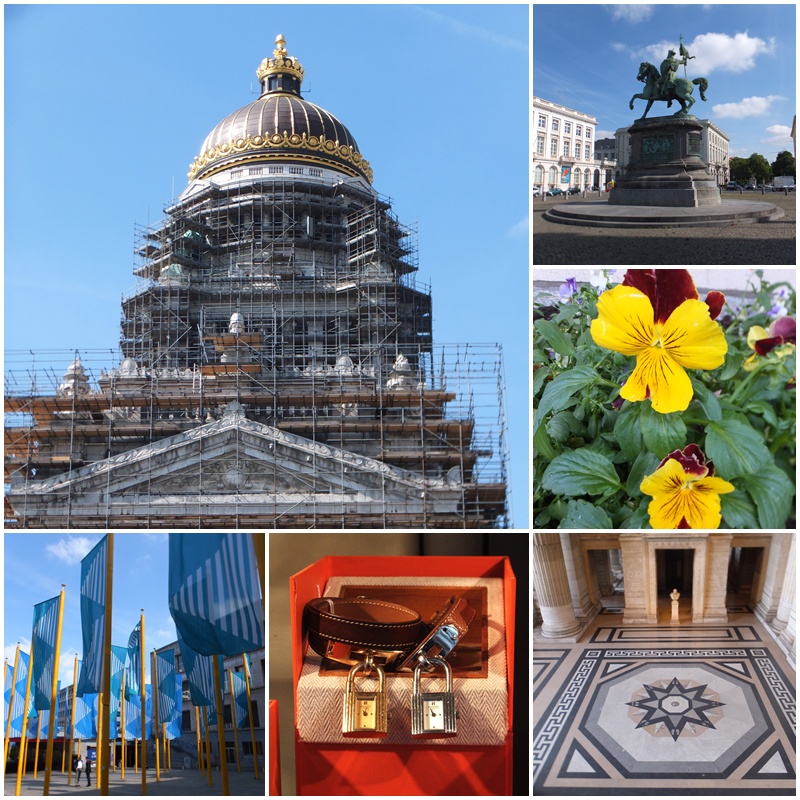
[(712, 51), (747, 107), (518, 228), (598, 134), (631, 12), (619, 47), (779, 134), (71, 550)]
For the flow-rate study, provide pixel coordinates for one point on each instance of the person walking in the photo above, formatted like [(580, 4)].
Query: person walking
[(88, 772), (78, 770)]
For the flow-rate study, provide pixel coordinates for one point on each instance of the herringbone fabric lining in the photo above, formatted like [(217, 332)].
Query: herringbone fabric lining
[(482, 704)]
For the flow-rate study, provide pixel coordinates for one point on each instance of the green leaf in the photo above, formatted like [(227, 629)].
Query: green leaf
[(640, 518), (558, 392), (627, 431), (539, 377), (733, 363), (772, 491), (763, 409), (735, 448), (738, 511), (580, 472), (581, 514), (662, 433), (645, 464), (708, 402), (542, 444), (555, 337), (561, 425)]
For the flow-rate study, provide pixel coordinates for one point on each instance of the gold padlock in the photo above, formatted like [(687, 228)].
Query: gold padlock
[(365, 714)]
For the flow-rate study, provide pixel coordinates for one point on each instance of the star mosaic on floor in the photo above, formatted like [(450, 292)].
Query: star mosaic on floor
[(661, 719)]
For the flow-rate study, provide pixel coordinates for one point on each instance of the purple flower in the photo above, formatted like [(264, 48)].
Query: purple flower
[(566, 290)]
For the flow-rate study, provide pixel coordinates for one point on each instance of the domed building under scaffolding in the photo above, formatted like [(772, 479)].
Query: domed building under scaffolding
[(277, 367)]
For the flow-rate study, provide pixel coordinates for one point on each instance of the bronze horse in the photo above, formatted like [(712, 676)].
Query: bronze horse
[(682, 91)]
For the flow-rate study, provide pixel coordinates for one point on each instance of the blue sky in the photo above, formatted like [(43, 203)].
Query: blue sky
[(106, 106), (586, 57), (36, 564)]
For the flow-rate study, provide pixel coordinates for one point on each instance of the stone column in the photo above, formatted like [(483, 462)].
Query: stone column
[(767, 606), (549, 576), (785, 620), (583, 603), (635, 570), (718, 552)]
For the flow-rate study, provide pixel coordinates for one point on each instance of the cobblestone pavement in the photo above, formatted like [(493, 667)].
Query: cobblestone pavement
[(175, 783), (767, 243)]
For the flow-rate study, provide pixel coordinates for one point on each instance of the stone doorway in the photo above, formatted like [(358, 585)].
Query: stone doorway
[(674, 570), (744, 578)]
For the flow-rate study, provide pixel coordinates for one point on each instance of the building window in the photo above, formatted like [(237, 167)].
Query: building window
[(553, 148), (538, 175), (247, 748), (552, 176), (587, 151), (588, 133), (540, 145), (542, 121), (578, 130), (555, 125), (577, 149), (566, 147), (567, 127)]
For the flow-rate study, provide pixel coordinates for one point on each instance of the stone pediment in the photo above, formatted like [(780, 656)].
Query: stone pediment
[(233, 465)]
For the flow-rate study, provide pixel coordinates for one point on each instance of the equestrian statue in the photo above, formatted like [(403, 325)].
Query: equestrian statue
[(664, 85)]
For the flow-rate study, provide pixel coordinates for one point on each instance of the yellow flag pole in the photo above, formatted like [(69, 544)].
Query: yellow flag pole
[(154, 690), (53, 717), (98, 750), (22, 742), (197, 735), (38, 739), (142, 662), (260, 550), (122, 726), (10, 708), (164, 746), (72, 718), (223, 761), (106, 697), (250, 712), (208, 746), (135, 754), (233, 718)]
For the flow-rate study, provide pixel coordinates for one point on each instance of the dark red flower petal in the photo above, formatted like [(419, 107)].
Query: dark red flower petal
[(785, 327), (715, 301), (763, 346), (666, 288), (683, 523), (691, 459)]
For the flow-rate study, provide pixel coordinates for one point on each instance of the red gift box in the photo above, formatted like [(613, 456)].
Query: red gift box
[(401, 769)]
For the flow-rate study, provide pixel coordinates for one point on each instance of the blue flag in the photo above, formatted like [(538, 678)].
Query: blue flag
[(135, 660), (93, 615), (165, 683), (133, 715), (174, 724), (199, 671), (86, 716), (7, 693), (119, 657), (214, 592), (17, 707), (44, 719), (45, 627), (239, 695)]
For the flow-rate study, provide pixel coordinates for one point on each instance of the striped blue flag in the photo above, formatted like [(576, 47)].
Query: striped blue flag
[(86, 716), (174, 723), (135, 660), (7, 693), (199, 671), (45, 627), (165, 683), (239, 695), (133, 715), (119, 658), (17, 707), (214, 592), (93, 615), (44, 718)]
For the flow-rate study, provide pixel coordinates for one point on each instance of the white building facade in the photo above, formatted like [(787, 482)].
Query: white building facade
[(714, 151), (563, 148)]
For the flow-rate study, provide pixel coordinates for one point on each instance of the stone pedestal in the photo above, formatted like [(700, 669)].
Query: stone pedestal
[(666, 168), (549, 575), (675, 620)]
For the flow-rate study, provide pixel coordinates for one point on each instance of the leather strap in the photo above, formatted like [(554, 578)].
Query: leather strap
[(344, 629)]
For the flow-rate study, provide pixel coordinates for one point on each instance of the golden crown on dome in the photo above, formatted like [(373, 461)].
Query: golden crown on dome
[(281, 61)]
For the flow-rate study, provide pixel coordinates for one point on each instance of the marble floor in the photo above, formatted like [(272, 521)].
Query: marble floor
[(695, 709)]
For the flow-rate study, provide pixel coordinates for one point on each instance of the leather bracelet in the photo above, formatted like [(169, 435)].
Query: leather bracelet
[(347, 630)]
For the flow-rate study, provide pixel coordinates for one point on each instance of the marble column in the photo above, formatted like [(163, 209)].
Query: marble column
[(584, 604), (549, 576), (785, 622), (718, 551), (767, 606), (635, 570)]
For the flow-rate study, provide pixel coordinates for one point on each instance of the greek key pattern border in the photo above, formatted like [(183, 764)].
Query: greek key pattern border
[(784, 696)]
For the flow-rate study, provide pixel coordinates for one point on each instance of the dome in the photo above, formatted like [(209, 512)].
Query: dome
[(280, 126)]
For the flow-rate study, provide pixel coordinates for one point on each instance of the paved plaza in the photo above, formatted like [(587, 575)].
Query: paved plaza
[(766, 244), (176, 783)]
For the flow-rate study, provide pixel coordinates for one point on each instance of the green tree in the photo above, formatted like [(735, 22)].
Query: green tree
[(759, 168), (740, 170), (783, 164)]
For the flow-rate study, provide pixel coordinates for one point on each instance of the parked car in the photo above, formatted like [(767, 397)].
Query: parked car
[(732, 186), (784, 182), (537, 190), (749, 187), (555, 192), (574, 190)]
